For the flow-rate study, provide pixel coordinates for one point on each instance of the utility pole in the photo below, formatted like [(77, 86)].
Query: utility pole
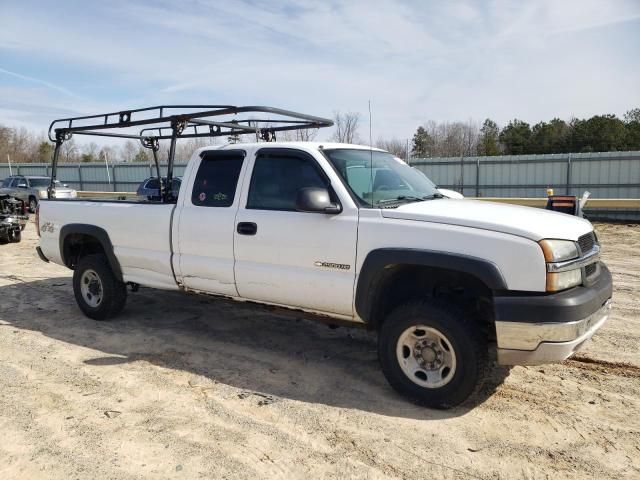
[(106, 164), (9, 162)]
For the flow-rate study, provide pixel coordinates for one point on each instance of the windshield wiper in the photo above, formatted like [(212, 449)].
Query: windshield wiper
[(433, 196), (409, 198)]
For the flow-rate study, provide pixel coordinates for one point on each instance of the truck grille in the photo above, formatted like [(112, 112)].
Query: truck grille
[(586, 242)]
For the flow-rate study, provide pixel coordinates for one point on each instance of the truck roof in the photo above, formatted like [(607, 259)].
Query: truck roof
[(300, 144)]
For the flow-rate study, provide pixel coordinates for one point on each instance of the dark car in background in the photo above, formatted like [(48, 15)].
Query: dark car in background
[(150, 187)]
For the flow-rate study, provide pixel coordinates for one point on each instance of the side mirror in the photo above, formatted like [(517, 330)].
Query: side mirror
[(316, 200), (22, 185)]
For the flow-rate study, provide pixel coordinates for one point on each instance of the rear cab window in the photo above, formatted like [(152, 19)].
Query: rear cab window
[(217, 178)]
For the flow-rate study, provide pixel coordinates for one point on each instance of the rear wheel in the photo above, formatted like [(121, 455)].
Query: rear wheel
[(99, 294), (431, 353)]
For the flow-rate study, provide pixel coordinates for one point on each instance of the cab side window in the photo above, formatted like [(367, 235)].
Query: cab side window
[(216, 180), (278, 176)]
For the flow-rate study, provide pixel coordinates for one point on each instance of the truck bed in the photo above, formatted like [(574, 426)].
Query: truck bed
[(139, 233)]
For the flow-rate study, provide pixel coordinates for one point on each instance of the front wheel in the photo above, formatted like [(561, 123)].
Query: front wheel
[(33, 204), (431, 353), (99, 294)]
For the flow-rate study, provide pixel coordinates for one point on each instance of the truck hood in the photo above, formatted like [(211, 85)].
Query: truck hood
[(529, 222)]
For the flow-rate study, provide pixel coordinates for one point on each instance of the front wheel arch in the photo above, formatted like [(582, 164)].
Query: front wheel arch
[(385, 267)]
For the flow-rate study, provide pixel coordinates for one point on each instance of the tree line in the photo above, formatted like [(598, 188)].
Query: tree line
[(600, 133)]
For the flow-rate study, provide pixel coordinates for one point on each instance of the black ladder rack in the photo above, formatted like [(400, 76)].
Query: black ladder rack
[(171, 122)]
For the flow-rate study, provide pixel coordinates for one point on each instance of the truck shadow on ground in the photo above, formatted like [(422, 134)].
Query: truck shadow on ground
[(231, 343)]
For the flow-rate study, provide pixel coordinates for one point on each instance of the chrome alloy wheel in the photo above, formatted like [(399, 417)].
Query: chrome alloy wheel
[(91, 288), (426, 356)]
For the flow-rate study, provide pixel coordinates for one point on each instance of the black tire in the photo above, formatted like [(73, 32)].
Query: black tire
[(113, 293), (464, 336), (33, 203), (15, 236)]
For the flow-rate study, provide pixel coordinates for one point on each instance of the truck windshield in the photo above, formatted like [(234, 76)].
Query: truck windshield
[(380, 179)]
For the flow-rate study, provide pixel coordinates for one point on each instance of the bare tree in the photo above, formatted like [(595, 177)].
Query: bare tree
[(128, 151), (89, 152), (346, 127), (185, 148), (395, 146), (304, 135), (69, 151), (107, 154), (450, 139)]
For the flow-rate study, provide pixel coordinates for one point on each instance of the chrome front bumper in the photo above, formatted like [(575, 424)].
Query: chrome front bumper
[(521, 343)]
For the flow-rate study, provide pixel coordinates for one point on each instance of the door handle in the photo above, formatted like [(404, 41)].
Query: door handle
[(247, 228)]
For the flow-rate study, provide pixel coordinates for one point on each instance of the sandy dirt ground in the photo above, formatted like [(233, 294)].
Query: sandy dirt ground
[(189, 387)]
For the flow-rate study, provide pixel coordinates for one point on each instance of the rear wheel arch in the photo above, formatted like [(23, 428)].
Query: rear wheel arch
[(79, 240), (390, 277)]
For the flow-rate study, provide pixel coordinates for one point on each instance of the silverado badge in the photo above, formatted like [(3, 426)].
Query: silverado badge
[(339, 266)]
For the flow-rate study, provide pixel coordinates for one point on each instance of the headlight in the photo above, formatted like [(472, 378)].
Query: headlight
[(74, 194), (559, 250), (42, 193), (563, 280)]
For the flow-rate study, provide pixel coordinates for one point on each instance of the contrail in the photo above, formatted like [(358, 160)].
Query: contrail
[(41, 82)]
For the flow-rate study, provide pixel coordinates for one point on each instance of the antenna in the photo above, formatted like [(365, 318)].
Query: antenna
[(370, 154)]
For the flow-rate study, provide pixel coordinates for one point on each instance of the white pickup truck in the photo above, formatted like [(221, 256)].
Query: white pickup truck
[(353, 234)]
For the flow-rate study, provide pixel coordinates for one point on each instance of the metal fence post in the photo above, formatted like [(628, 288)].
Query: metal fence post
[(568, 175), (80, 177), (113, 176), (462, 175), (478, 177)]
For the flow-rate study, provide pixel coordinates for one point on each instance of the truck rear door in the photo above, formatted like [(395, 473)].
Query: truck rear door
[(204, 222)]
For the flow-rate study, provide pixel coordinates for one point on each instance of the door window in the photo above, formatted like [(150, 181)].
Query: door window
[(277, 177), (217, 179)]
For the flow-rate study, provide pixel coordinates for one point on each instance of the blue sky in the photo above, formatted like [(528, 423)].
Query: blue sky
[(415, 60)]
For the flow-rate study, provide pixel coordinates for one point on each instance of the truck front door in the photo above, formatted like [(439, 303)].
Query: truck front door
[(287, 257)]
